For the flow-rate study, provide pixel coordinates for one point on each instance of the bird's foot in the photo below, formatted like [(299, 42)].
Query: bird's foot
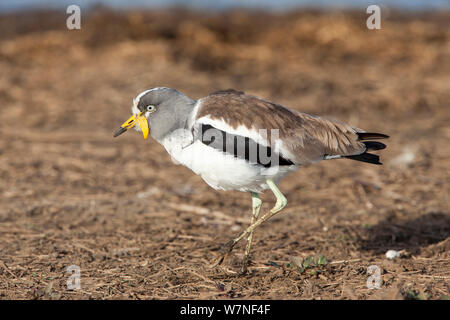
[(223, 252), (244, 266)]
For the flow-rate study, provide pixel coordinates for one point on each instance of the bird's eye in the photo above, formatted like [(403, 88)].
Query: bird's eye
[(151, 108)]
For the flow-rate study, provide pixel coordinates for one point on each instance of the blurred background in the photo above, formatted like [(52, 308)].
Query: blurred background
[(141, 227), (226, 4)]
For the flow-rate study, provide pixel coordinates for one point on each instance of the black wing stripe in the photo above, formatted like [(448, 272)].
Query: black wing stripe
[(241, 147)]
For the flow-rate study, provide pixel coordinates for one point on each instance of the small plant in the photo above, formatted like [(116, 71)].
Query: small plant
[(311, 264), (413, 295)]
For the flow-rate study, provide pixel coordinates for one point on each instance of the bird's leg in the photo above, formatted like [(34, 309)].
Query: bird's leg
[(279, 205), (256, 207)]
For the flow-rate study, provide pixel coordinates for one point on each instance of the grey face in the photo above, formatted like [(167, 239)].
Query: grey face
[(155, 97), (165, 109)]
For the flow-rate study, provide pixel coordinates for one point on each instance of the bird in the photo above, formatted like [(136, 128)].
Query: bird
[(237, 141)]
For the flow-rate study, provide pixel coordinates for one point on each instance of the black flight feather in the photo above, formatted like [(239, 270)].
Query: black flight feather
[(366, 157)]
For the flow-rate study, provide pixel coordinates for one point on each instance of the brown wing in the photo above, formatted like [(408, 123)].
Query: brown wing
[(306, 138)]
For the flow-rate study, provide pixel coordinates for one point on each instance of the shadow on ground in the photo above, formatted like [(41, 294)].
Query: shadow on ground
[(411, 235)]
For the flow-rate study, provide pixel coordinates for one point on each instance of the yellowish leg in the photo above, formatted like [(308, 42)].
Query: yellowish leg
[(279, 205), (256, 207)]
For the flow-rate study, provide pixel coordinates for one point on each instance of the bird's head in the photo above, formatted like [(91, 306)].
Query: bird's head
[(158, 111)]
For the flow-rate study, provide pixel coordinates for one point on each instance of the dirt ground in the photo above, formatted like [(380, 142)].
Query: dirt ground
[(140, 227)]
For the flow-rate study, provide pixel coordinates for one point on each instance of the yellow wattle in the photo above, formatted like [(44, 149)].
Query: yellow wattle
[(143, 124)]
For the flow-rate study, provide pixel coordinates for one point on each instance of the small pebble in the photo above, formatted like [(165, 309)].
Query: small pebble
[(392, 254)]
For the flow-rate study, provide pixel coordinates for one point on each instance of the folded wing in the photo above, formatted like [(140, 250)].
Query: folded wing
[(298, 137)]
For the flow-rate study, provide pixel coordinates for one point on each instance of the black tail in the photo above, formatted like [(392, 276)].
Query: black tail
[(362, 136), (366, 157), (374, 145), (370, 145)]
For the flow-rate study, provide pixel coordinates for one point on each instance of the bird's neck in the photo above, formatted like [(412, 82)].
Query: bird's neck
[(184, 116), (178, 116)]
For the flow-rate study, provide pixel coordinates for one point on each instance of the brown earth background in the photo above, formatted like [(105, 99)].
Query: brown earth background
[(140, 227)]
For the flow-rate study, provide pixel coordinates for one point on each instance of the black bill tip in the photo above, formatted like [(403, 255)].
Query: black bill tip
[(119, 131)]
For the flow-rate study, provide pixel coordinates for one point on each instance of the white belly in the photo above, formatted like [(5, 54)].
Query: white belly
[(223, 171)]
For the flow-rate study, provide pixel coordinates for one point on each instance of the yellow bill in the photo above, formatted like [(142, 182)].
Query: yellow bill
[(139, 119)]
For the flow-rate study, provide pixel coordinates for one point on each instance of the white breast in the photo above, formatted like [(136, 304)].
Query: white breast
[(220, 170)]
